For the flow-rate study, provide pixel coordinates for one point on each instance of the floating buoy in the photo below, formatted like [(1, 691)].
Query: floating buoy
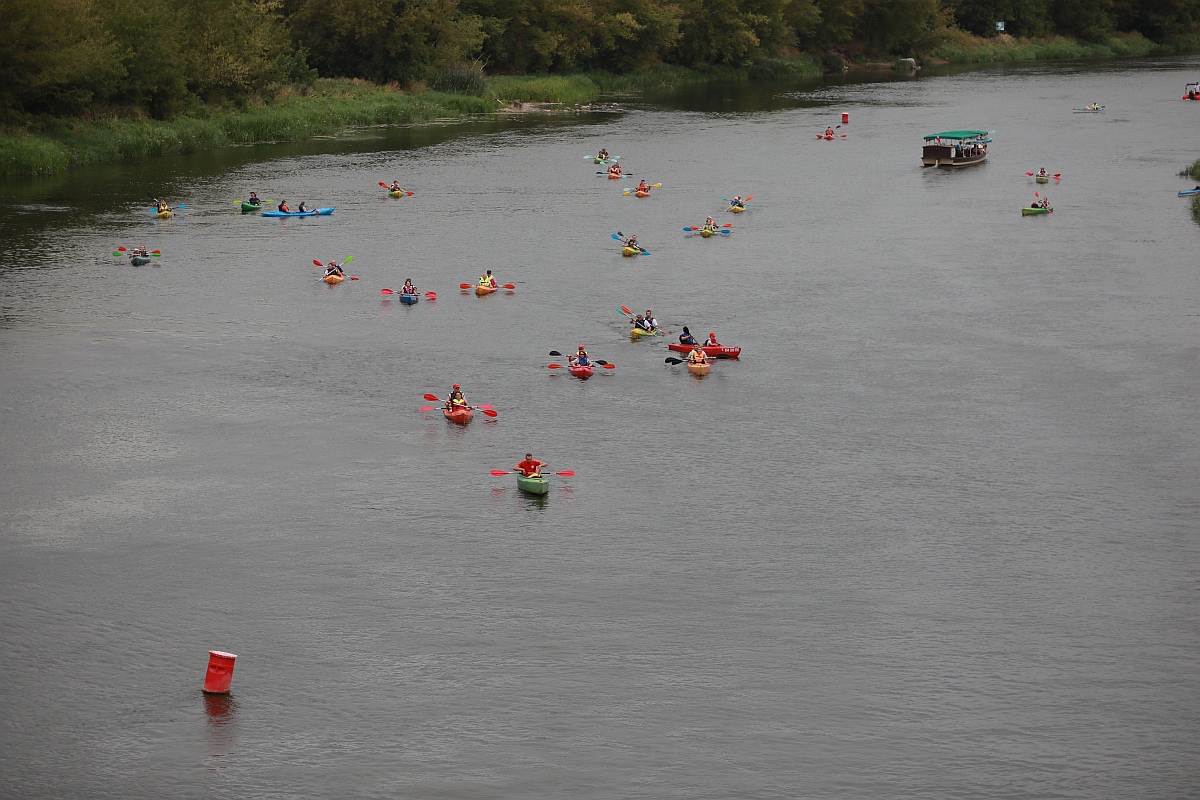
[(220, 672), (845, 117)]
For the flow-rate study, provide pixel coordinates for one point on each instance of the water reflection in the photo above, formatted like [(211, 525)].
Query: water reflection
[(220, 712)]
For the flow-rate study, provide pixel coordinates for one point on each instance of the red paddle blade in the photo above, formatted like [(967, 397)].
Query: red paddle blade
[(386, 291), (487, 412), (566, 473), (1028, 173), (748, 198), (384, 185), (486, 405), (317, 263), (627, 311), (431, 295), (122, 250), (1035, 194), (464, 286), (156, 252), (426, 408), (433, 398), (498, 472), (353, 279), (727, 225), (608, 366), (509, 286), (554, 366)]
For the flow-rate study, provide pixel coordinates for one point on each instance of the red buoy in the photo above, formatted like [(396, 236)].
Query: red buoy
[(845, 117), (220, 672)]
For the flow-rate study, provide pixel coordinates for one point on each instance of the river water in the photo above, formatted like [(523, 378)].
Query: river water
[(934, 535)]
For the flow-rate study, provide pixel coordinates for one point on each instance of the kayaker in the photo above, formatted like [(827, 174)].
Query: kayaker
[(1045, 202), (615, 169), (530, 467), (283, 206), (333, 268), (254, 201), (456, 398), (581, 358), (737, 202), (632, 242), (697, 356), (1042, 172), (487, 280), (138, 251), (643, 187), (408, 287), (710, 224), (712, 340), (602, 155), (829, 133), (161, 205), (395, 187), (640, 322), (651, 322), (302, 208), (686, 337)]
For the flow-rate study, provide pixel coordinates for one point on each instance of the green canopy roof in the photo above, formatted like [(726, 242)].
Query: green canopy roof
[(957, 135)]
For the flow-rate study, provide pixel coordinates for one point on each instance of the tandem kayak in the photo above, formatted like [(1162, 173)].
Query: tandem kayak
[(334, 280), (641, 193), (699, 369), (320, 211), (736, 209), (459, 416), (163, 214), (251, 207), (1033, 212), (720, 350), (641, 333), (630, 251), (533, 485), (707, 232), (409, 299), (480, 291), (583, 373), (139, 261)]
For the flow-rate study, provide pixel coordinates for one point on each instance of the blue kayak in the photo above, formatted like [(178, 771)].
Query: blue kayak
[(320, 211), (409, 299), (1190, 191)]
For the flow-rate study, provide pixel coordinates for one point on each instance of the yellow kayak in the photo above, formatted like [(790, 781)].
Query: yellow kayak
[(639, 333), (630, 251), (736, 209), (163, 214)]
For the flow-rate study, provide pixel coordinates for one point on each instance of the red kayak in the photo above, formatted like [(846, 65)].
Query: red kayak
[(720, 351), (459, 416), (583, 373)]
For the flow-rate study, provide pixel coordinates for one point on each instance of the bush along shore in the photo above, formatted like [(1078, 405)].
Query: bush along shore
[(1193, 172), (52, 144)]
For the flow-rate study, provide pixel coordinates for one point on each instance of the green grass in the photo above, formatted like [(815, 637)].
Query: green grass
[(1192, 172), (965, 49)]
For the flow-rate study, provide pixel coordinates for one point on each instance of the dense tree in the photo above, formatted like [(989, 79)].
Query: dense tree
[(1020, 17)]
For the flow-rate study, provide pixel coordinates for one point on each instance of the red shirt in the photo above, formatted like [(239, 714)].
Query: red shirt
[(528, 468)]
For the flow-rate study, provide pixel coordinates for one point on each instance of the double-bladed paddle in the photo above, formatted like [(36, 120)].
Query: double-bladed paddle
[(627, 192), (124, 251), (428, 295), (620, 237), (566, 473), (390, 189), (346, 260), (487, 412)]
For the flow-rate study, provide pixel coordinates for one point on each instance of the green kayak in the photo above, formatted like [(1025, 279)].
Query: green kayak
[(251, 207), (1033, 212), (533, 485)]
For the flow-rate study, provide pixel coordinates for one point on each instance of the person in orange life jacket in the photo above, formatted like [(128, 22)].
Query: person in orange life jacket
[(697, 356), (456, 398), (642, 187), (686, 337), (828, 132), (615, 169), (530, 467), (710, 224)]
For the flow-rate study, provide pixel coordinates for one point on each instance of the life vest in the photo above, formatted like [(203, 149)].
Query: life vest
[(693, 358), (486, 281), (712, 342)]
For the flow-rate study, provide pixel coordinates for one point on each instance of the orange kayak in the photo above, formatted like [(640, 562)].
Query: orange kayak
[(334, 280), (459, 416), (641, 194), (613, 177), (482, 290), (699, 369)]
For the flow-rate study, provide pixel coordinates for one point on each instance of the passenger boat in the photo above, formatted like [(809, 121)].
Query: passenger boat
[(1192, 91), (955, 149)]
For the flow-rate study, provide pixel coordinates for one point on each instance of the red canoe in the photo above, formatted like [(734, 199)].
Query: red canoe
[(460, 416), (583, 373), (721, 351)]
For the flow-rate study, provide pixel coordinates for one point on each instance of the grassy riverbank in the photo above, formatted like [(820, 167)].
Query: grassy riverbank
[(1193, 172), (959, 48)]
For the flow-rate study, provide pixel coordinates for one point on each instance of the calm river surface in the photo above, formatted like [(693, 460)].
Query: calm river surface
[(935, 534)]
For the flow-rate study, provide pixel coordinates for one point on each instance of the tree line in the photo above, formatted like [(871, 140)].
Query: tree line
[(71, 57)]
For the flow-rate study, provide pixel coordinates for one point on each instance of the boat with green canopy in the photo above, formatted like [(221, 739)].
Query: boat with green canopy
[(955, 148)]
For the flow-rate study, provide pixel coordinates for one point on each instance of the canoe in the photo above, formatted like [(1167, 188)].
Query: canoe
[(583, 373), (251, 207), (532, 485), (630, 251), (640, 193), (1033, 212), (334, 280), (699, 369), (480, 291), (459, 416), (613, 177), (138, 261), (640, 333), (409, 299), (163, 214), (320, 211), (720, 350), (396, 192), (736, 209), (1189, 191), (1042, 178)]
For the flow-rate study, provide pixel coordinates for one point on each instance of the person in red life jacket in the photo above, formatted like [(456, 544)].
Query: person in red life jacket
[(829, 133), (283, 206), (712, 340), (530, 467), (615, 169), (643, 187)]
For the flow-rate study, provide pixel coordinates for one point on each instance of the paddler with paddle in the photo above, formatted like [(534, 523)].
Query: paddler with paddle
[(631, 242), (530, 467), (334, 268), (456, 400), (643, 186), (487, 281), (686, 337), (408, 287), (283, 206), (651, 322), (254, 200), (615, 169), (602, 155), (737, 202), (580, 359), (697, 356)]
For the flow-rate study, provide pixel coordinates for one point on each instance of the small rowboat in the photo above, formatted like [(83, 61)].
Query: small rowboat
[(318, 212), (641, 193), (480, 291), (1042, 178), (251, 207), (583, 373), (396, 192), (409, 299), (138, 261), (1033, 212), (630, 251), (163, 214), (720, 351), (537, 485), (334, 280), (459, 416), (699, 369), (641, 333)]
